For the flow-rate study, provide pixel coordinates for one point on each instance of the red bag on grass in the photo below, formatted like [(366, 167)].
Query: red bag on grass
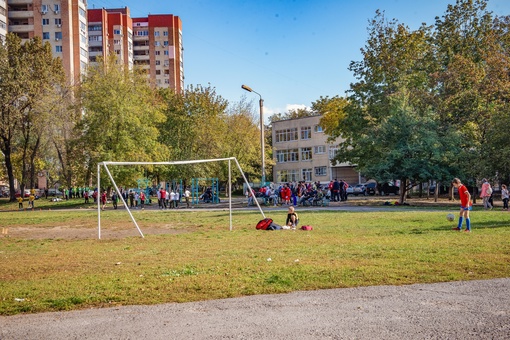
[(264, 224)]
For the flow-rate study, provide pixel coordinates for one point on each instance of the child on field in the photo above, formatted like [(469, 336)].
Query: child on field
[(465, 204), (292, 218)]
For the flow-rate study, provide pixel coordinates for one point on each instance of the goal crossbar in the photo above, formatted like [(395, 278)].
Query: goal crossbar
[(110, 163)]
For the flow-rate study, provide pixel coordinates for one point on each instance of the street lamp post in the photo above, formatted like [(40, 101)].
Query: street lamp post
[(261, 105)]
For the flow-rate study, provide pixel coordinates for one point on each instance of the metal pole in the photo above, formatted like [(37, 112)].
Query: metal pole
[(97, 200), (261, 104), (230, 192)]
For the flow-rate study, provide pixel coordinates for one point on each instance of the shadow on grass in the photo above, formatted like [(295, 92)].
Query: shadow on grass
[(45, 203), (475, 225)]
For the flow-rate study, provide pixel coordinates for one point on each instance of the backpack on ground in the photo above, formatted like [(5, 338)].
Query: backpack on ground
[(264, 224)]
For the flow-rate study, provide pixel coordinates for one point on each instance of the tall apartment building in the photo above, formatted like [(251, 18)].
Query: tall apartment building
[(111, 32), (79, 36), (157, 47), (302, 153), (3, 19), (62, 23)]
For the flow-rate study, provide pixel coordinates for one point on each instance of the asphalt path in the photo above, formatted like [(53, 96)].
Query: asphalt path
[(454, 310)]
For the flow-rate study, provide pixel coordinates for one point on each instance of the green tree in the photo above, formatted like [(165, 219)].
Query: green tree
[(472, 83), (29, 77), (121, 113), (194, 128)]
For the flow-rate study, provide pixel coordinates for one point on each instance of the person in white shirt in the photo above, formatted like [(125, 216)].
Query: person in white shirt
[(187, 196), (172, 199), (176, 199)]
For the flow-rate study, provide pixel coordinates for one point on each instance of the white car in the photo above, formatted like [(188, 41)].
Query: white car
[(359, 189)]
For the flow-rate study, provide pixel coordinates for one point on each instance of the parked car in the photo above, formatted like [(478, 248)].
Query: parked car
[(388, 188), (370, 188), (54, 192), (359, 189), (350, 190), (443, 189)]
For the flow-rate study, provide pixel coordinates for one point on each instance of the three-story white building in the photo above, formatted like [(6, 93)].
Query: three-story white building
[(302, 153)]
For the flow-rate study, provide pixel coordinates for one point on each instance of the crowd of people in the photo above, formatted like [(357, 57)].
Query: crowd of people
[(301, 193)]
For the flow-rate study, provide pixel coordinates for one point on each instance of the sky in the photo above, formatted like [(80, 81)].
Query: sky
[(292, 52)]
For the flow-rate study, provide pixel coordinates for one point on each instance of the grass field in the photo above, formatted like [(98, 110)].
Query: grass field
[(191, 255)]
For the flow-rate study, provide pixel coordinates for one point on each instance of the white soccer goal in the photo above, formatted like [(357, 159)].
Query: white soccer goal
[(106, 164)]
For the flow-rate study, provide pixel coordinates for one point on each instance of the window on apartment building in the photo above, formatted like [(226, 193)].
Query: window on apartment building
[(158, 62), (167, 72), (56, 8), (317, 128), (166, 63), (285, 176), (58, 36), (45, 22), (83, 39), (95, 28), (321, 171), (156, 43), (84, 52), (58, 22), (45, 8), (166, 52), (333, 150), (95, 38), (83, 26), (306, 175), (46, 35), (306, 154), (117, 32), (167, 81), (286, 135), (157, 52), (82, 12), (319, 149), (142, 33), (158, 72), (58, 49), (156, 33), (165, 43), (165, 33), (306, 132), (116, 42), (290, 155)]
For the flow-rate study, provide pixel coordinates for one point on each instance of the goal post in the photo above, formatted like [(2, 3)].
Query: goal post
[(105, 164)]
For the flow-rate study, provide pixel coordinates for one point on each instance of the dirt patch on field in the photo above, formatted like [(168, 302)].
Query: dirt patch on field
[(80, 233)]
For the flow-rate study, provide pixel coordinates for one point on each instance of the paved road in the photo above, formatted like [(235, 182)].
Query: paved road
[(456, 310)]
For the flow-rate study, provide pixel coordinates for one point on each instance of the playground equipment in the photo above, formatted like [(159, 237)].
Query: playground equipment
[(210, 195)]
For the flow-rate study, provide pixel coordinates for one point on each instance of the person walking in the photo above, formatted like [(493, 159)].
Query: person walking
[(486, 193), (115, 199), (465, 205), (103, 200), (504, 196), (187, 196)]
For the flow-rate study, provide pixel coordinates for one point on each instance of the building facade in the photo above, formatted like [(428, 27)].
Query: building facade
[(302, 153), (157, 47), (62, 23), (3, 19), (78, 36)]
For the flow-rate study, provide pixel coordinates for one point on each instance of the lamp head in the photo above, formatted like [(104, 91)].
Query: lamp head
[(247, 88)]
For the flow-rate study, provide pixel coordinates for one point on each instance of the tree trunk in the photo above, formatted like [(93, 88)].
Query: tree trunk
[(403, 190), (10, 173)]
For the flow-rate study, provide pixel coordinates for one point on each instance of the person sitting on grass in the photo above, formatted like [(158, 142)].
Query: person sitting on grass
[(292, 218)]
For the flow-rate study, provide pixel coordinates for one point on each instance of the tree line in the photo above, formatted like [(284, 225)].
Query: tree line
[(114, 114), (431, 103)]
